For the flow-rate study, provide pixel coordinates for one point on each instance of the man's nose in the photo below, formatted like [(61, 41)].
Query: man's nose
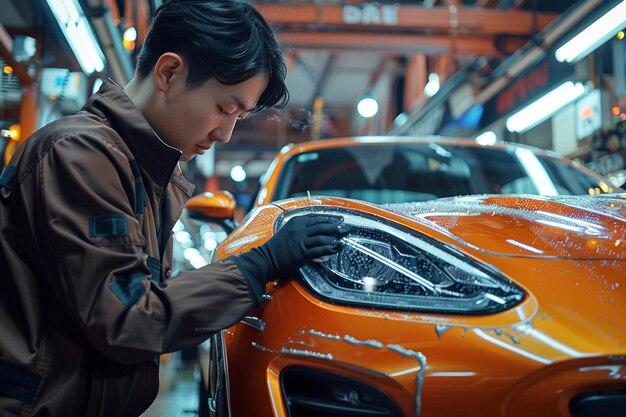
[(224, 132)]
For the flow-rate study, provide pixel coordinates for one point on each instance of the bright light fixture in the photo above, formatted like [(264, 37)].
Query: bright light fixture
[(194, 257), (367, 107), (210, 244), (238, 174), (76, 29), (130, 34), (401, 119), (546, 106), (15, 132), (432, 86), (487, 138), (594, 35), (96, 85), (130, 37)]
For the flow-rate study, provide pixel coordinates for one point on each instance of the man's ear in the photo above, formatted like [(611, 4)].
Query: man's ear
[(170, 68)]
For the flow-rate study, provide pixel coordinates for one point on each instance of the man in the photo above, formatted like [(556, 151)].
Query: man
[(86, 211)]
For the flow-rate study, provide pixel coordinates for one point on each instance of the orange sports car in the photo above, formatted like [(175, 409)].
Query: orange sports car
[(474, 281)]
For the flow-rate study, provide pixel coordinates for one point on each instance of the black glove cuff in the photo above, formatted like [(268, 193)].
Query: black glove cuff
[(253, 267)]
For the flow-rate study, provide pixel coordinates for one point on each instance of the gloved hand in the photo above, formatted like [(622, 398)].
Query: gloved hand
[(300, 240)]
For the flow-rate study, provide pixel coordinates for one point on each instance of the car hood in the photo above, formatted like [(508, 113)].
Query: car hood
[(565, 227)]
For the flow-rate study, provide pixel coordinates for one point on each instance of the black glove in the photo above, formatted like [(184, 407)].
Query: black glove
[(300, 240)]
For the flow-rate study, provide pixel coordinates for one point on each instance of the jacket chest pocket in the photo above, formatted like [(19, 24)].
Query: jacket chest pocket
[(155, 269)]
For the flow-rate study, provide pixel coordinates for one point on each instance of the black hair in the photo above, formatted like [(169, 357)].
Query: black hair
[(227, 40)]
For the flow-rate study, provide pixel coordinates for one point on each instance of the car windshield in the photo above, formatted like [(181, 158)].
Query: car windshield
[(393, 173)]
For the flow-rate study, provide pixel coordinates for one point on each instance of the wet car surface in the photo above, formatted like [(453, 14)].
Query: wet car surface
[(507, 304)]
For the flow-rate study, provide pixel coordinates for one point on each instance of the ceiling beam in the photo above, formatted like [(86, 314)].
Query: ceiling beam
[(400, 43), (466, 20)]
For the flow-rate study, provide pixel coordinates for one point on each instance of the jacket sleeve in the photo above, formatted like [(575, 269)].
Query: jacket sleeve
[(100, 273)]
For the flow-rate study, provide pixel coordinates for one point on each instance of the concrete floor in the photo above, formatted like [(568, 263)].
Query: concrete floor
[(178, 395)]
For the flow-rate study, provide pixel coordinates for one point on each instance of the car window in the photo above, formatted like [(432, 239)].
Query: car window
[(393, 173)]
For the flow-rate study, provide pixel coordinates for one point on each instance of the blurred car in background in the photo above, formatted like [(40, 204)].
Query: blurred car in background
[(475, 280)]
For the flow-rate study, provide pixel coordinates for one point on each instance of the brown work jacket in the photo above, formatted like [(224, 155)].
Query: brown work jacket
[(87, 208)]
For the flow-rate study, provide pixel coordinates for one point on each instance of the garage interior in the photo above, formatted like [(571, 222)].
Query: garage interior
[(451, 68)]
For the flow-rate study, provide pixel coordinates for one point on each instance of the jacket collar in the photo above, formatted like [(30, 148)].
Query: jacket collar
[(156, 157)]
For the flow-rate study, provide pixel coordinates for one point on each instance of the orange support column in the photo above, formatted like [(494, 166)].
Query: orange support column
[(137, 14), (445, 66), (415, 79), (212, 184), (29, 111)]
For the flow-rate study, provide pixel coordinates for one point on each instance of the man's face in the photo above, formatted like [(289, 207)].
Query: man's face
[(192, 120)]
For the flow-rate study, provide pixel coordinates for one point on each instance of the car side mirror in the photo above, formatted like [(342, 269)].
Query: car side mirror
[(216, 207)]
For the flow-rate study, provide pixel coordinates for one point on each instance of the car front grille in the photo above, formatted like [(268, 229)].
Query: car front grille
[(313, 393)]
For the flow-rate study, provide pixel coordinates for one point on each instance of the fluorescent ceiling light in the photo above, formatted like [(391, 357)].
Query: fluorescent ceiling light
[(78, 33), (594, 35), (546, 106)]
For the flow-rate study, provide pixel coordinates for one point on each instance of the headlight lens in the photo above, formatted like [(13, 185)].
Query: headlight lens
[(384, 266)]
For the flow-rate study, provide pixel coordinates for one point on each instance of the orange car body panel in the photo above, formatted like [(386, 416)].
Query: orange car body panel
[(565, 338)]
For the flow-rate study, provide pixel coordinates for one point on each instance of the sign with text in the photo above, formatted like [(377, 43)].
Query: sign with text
[(370, 14)]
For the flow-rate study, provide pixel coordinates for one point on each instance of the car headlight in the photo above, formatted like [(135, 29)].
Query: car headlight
[(385, 266)]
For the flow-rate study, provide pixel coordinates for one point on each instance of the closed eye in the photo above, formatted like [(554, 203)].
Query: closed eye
[(224, 112)]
